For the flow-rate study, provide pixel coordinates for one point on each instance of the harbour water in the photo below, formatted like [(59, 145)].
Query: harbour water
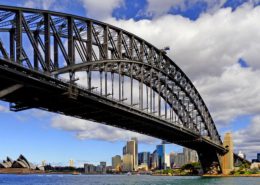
[(123, 180)]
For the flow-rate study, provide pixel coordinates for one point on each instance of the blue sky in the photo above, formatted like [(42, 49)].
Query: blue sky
[(32, 132)]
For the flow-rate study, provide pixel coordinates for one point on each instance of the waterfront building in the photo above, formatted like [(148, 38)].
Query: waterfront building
[(89, 168), (167, 161), (71, 163), (150, 161), (172, 159), (255, 165), (160, 150), (242, 155), (21, 162), (143, 167), (43, 163), (144, 158), (179, 160), (131, 149), (257, 160), (154, 160), (190, 156), (136, 152), (124, 150), (6, 163), (128, 164), (103, 166), (116, 163)]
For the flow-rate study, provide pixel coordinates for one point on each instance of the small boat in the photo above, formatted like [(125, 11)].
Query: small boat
[(129, 173), (75, 173)]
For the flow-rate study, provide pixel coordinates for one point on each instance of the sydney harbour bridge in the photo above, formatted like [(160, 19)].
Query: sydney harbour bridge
[(94, 71)]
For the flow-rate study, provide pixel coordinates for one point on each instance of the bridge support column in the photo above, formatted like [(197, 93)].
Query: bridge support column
[(210, 162), (227, 160)]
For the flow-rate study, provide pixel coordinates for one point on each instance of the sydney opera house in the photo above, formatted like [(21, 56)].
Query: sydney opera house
[(21, 162)]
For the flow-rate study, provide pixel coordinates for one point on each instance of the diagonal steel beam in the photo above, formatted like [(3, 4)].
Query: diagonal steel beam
[(10, 90), (58, 39), (81, 47), (34, 43), (3, 50)]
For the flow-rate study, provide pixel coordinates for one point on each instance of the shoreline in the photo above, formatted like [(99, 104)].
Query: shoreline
[(161, 175), (242, 175), (19, 171)]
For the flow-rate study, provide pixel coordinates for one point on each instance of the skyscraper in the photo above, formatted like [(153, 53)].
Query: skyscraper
[(154, 160), (172, 155), (179, 160), (167, 161), (103, 166), (131, 149), (116, 162), (144, 158), (124, 150), (71, 163), (89, 168), (128, 163), (136, 152), (258, 157), (160, 150), (190, 155)]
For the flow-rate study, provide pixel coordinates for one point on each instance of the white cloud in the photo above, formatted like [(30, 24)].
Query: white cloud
[(3, 109), (46, 4), (235, 92), (204, 47), (247, 140), (91, 130), (157, 8), (101, 9)]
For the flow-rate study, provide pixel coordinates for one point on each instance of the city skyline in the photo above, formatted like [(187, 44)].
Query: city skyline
[(81, 138)]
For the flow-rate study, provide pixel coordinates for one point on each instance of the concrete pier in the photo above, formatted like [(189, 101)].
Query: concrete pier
[(228, 158)]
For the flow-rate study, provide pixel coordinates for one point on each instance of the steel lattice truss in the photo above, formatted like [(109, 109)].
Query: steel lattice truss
[(128, 69)]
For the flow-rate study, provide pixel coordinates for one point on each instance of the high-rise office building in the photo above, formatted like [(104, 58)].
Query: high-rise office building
[(154, 160), (179, 160), (131, 149), (136, 152), (89, 168), (160, 150), (124, 150), (43, 163), (172, 159), (190, 155), (103, 166), (116, 162), (128, 163), (144, 158), (167, 161), (258, 157), (71, 163)]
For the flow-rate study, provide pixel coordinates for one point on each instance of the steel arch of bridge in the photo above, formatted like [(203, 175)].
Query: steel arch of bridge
[(67, 44)]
